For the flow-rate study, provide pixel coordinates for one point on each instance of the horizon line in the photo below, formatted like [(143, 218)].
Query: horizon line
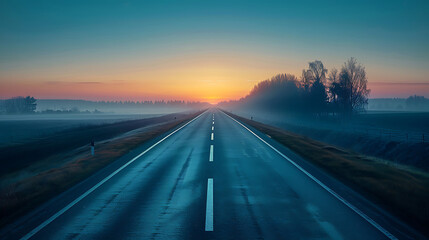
[(400, 83)]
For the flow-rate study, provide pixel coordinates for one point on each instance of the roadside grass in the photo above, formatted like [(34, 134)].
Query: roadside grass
[(401, 191), (21, 197)]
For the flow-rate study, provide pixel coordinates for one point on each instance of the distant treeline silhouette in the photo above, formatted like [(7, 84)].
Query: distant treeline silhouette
[(18, 105), (25, 105), (60, 104), (417, 102), (73, 110), (316, 92)]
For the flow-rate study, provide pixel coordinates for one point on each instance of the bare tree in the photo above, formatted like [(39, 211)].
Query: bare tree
[(332, 84), (333, 75), (306, 79), (317, 97), (333, 88), (317, 71), (352, 89)]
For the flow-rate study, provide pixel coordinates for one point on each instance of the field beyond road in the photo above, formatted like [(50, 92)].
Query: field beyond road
[(23, 128), (398, 137)]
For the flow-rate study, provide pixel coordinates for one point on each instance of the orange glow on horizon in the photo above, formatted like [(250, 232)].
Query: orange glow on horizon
[(187, 89), (194, 78), (398, 90), (207, 78)]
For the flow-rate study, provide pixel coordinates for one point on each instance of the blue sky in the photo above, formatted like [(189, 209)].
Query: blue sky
[(109, 40)]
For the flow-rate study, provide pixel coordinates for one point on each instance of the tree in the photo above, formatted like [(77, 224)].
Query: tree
[(417, 102), (306, 80), (351, 89), (333, 81), (20, 105), (333, 89), (30, 104), (279, 92), (317, 97), (317, 71)]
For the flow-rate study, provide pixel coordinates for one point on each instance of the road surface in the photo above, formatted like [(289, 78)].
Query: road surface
[(213, 178)]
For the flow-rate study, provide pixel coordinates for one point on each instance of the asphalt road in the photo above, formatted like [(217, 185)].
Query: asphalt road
[(211, 179)]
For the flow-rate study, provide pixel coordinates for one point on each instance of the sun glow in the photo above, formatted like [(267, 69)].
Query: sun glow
[(207, 78)]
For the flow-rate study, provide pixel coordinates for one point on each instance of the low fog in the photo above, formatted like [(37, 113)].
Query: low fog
[(24, 118)]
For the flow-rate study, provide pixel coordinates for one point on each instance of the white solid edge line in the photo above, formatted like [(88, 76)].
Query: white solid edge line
[(336, 195), (211, 153), (212, 136), (209, 206), (70, 205)]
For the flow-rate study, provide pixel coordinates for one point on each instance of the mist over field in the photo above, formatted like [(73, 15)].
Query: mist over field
[(18, 124), (119, 107), (412, 104)]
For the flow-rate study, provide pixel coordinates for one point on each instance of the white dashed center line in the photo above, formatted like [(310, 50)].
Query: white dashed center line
[(212, 136), (211, 153), (209, 206)]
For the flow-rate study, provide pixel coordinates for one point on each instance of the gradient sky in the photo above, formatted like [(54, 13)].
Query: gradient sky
[(204, 50)]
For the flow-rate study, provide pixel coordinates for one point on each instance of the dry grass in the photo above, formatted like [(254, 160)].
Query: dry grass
[(402, 191), (23, 196)]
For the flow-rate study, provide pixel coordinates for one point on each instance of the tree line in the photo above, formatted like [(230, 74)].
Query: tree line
[(149, 103), (26, 105), (55, 104), (417, 102), (315, 92), (18, 105)]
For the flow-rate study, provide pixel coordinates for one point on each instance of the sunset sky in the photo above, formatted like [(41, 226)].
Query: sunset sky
[(204, 50)]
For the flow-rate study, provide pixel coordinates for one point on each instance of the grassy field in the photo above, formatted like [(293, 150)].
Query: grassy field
[(399, 137), (15, 129), (404, 121), (29, 152), (403, 192), (21, 196)]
